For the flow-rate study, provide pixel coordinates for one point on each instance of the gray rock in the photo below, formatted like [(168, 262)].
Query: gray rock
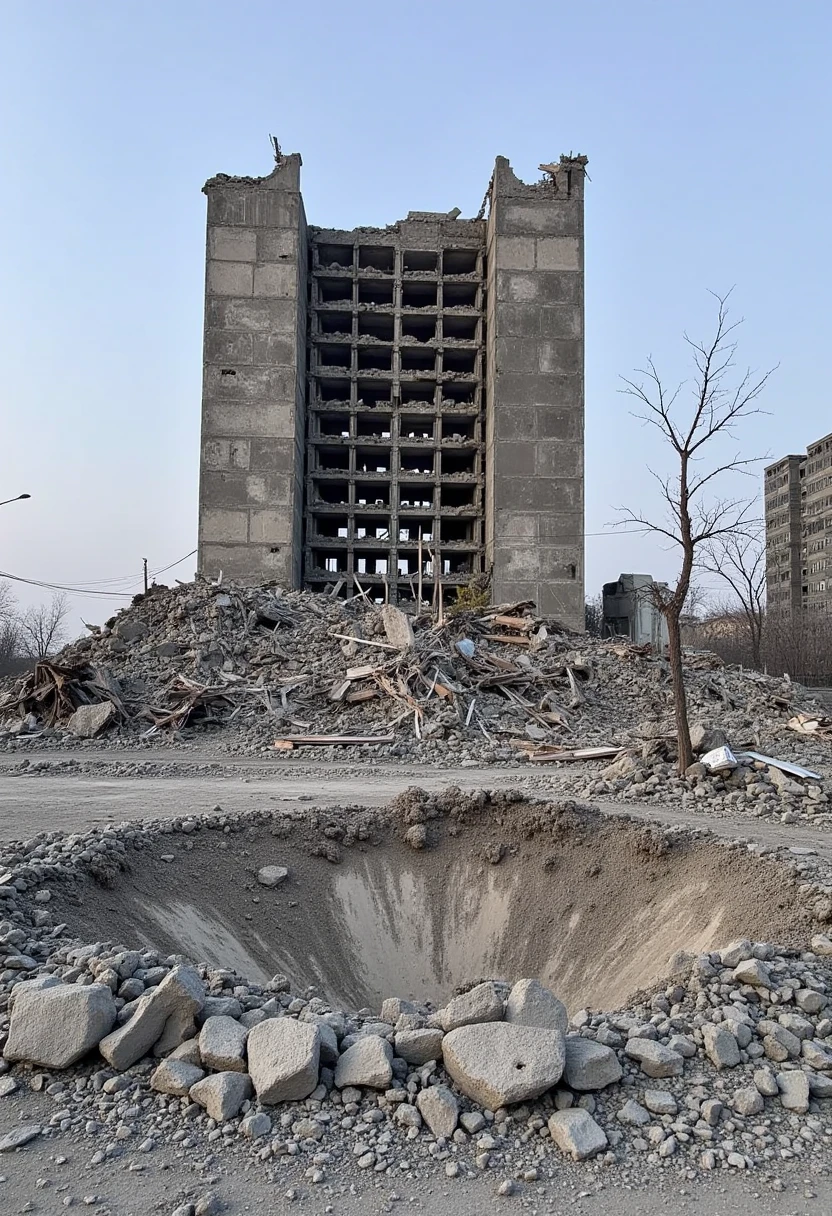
[(683, 1045), (407, 1115), (736, 952), (590, 1065), (19, 1136), (439, 1109), (633, 1114), (329, 1043), (721, 1047), (530, 1004), (188, 1052), (162, 1015), (222, 1094), (794, 1091), (706, 738), (575, 1132), (752, 971), (481, 1004), (496, 1063), (54, 1026), (748, 1101), (130, 631), (766, 1082), (397, 626), (816, 1056), (655, 1059), (820, 1086), (222, 1045), (660, 1102), (220, 1007), (89, 720), (8, 1085), (369, 1062), (272, 876), (175, 1077), (394, 1008), (256, 1126), (283, 1059), (419, 1046)]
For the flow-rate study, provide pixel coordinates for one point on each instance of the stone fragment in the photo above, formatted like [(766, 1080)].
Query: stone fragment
[(89, 720), (820, 1086), (705, 737), (283, 1059), (272, 876), (794, 1091), (711, 1111), (256, 1126), (683, 1045), (440, 1110), (481, 1004), (175, 1077), (222, 1045), (660, 1102), (766, 1082), (419, 1046), (369, 1062), (810, 1001), (530, 1004), (721, 1048), (575, 1132), (816, 1056), (394, 1008), (8, 1085), (589, 1065), (748, 1101), (752, 971), (397, 627), (407, 1115), (736, 952), (655, 1059), (822, 944), (633, 1114), (496, 1063), (55, 1025), (188, 1052), (222, 1094), (19, 1136), (162, 1015)]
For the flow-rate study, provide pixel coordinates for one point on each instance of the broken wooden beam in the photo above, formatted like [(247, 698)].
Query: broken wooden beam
[(331, 740)]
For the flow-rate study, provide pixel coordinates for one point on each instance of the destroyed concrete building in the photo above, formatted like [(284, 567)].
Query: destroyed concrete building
[(798, 515), (630, 611), (387, 408)]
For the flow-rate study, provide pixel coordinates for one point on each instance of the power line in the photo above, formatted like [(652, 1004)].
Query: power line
[(85, 589)]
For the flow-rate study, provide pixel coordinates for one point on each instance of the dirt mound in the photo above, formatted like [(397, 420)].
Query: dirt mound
[(502, 889)]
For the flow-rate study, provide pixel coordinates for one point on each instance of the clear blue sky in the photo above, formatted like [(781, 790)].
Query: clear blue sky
[(707, 129)]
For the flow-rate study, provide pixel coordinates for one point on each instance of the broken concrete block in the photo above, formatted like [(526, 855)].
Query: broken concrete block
[(655, 1059), (283, 1060), (369, 1062), (397, 627), (419, 1046), (575, 1132), (55, 1025), (175, 1077), (706, 738), (222, 1094), (495, 1063), (439, 1109), (272, 876), (176, 1000), (481, 1004), (590, 1065), (222, 1045), (89, 720), (530, 1004)]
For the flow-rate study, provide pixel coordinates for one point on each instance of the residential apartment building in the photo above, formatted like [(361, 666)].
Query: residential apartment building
[(798, 516)]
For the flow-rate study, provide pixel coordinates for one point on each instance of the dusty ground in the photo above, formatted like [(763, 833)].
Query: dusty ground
[(43, 1176)]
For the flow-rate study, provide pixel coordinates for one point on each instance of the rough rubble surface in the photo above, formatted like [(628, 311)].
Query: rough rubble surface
[(725, 1065)]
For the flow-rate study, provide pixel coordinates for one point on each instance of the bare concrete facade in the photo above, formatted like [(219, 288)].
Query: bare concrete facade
[(798, 513), (366, 390)]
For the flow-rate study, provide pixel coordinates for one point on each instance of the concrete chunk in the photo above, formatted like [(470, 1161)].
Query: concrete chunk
[(174, 1003), (55, 1025), (175, 1077), (439, 1109), (397, 627), (575, 1132), (481, 1004), (369, 1062), (222, 1094), (222, 1045), (655, 1059), (419, 1046), (89, 720), (496, 1063), (283, 1060), (590, 1065), (721, 1046), (530, 1004), (794, 1091)]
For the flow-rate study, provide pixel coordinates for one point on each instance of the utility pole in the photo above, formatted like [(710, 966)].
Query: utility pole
[(144, 561)]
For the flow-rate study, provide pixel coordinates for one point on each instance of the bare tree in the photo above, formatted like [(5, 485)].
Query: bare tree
[(42, 627), (695, 517), (8, 604), (696, 601), (740, 560), (594, 616)]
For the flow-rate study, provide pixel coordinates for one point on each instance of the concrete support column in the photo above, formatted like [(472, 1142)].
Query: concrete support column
[(535, 390), (253, 402)]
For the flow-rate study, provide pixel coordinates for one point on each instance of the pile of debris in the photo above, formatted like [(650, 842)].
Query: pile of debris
[(294, 670)]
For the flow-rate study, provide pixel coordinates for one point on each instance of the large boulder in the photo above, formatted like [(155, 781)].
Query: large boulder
[(590, 1065), (89, 720), (222, 1045), (163, 1015), (530, 1004), (54, 1025), (480, 1004), (283, 1060), (496, 1063), (369, 1062), (222, 1094)]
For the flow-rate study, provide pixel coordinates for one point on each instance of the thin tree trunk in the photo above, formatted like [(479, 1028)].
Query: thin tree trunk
[(680, 704)]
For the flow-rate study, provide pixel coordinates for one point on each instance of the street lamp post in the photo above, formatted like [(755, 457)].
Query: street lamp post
[(8, 500)]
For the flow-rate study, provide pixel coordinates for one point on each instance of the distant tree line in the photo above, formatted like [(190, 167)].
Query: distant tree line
[(31, 633)]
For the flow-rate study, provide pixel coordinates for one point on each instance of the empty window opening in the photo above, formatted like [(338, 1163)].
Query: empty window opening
[(459, 261), (416, 463), (375, 358), (371, 258), (331, 291), (373, 426), (372, 563), (336, 257), (332, 562), (411, 395), (416, 427), (420, 261), (457, 530), (461, 362), (416, 498), (459, 295), (458, 430), (334, 426), (331, 527), (418, 329), (458, 563), (372, 460), (415, 360), (373, 528), (418, 295), (454, 497), (454, 463), (409, 532), (458, 394), (463, 329), (374, 291), (334, 356), (372, 495), (333, 458), (333, 493), (335, 323), (376, 325), (374, 395), (334, 390)]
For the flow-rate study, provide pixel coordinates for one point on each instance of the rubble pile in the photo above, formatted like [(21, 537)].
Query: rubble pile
[(728, 1064), (267, 667)]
